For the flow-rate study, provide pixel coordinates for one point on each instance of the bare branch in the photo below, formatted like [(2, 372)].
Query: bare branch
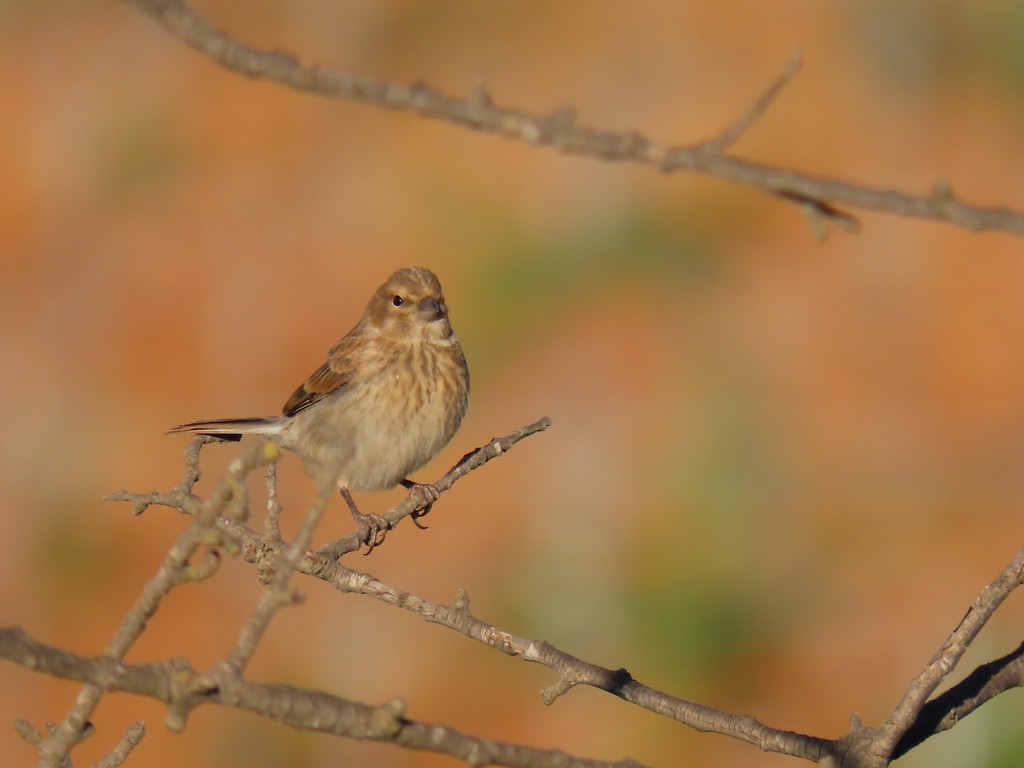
[(220, 523), (472, 460), (945, 660), (277, 595), (267, 555), (175, 570), (182, 499), (860, 747), (176, 683), (952, 706), (571, 670), (560, 131)]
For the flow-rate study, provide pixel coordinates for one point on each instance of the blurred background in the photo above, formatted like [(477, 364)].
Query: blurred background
[(779, 472)]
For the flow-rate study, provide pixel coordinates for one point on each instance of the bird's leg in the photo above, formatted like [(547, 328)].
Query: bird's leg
[(376, 526), (426, 495)]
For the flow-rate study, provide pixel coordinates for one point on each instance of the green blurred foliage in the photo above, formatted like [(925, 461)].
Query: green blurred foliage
[(527, 283), (138, 152)]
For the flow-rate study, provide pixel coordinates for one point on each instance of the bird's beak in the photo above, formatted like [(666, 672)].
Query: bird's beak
[(431, 309)]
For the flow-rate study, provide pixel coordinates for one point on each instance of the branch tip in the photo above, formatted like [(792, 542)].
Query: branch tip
[(559, 688), (745, 122), (28, 732)]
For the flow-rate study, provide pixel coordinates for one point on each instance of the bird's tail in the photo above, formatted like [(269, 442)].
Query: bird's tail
[(232, 429)]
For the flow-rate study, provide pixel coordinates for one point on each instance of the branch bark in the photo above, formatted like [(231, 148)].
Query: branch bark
[(913, 720), (220, 523), (950, 707), (909, 713), (182, 688), (560, 130)]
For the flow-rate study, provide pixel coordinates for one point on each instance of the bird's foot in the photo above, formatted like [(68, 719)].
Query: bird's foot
[(424, 494), (376, 529), (376, 526)]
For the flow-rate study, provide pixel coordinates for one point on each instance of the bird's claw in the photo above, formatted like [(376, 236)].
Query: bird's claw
[(424, 494), (376, 529), (376, 526)]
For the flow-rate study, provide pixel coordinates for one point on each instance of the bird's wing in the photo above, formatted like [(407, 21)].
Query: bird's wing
[(333, 375)]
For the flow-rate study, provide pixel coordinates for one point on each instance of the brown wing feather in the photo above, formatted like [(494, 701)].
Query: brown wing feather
[(330, 377)]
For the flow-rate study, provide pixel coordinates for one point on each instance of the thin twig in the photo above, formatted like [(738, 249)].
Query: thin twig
[(131, 739), (471, 461), (950, 707), (175, 570), (277, 595), (272, 524), (187, 503), (741, 125), (946, 658), (912, 721), (570, 670)]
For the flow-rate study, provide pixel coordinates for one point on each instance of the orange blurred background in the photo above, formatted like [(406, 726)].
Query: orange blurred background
[(779, 472)]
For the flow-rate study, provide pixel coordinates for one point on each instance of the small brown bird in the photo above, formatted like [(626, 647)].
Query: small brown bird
[(390, 396)]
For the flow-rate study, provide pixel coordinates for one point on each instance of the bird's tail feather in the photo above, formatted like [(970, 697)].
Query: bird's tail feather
[(231, 429)]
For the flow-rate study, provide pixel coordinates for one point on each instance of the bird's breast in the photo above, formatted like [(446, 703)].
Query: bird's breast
[(392, 419)]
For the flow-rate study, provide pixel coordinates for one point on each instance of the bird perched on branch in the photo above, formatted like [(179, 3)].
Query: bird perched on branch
[(390, 395)]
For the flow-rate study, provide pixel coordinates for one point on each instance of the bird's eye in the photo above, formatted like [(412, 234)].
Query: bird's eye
[(397, 301)]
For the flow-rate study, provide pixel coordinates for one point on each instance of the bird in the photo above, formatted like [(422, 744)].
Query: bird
[(391, 394)]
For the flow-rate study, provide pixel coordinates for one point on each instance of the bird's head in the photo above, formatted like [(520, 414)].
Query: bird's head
[(410, 306)]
